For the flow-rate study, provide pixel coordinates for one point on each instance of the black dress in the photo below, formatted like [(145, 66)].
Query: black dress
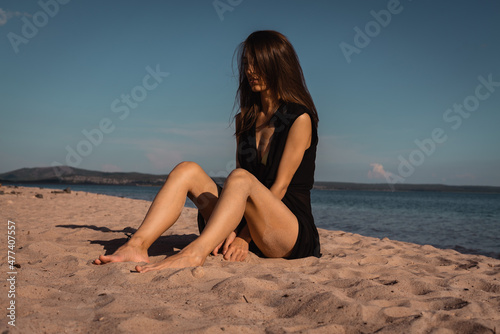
[(298, 195)]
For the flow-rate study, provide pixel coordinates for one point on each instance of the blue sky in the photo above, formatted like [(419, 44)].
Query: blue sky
[(407, 91)]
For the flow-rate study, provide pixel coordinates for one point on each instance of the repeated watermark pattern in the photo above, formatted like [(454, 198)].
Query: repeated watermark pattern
[(222, 6), (37, 21), (363, 37), (120, 106), (454, 117)]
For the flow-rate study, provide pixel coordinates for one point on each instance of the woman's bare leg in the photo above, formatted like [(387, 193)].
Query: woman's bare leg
[(186, 179), (274, 228)]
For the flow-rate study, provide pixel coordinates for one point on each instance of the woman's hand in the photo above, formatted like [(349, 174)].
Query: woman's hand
[(229, 240), (236, 251), (233, 248)]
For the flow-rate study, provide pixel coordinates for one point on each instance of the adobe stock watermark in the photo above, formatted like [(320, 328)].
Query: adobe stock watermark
[(222, 6), (373, 28), (454, 117), (31, 26), (11, 272), (120, 106)]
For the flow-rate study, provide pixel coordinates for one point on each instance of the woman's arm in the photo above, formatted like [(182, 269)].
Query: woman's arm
[(237, 125), (298, 141)]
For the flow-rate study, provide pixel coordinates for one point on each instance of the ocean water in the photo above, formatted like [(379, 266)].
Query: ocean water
[(466, 222)]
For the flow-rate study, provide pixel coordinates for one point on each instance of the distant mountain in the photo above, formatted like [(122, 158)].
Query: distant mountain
[(403, 187), (70, 175)]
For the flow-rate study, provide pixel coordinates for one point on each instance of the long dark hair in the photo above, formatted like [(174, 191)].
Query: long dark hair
[(277, 62)]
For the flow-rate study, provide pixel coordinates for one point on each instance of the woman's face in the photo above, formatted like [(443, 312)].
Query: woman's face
[(256, 81)]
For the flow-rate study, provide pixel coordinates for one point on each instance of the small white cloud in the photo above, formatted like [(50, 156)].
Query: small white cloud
[(3, 17), (378, 172), (6, 15)]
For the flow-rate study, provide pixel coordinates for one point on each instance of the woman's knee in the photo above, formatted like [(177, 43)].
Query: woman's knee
[(239, 176), (186, 169)]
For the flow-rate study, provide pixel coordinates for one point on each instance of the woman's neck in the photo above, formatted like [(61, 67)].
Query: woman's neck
[(269, 102)]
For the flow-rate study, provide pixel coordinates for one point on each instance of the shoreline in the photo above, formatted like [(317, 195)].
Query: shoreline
[(438, 189), (465, 246), (360, 284), (76, 176)]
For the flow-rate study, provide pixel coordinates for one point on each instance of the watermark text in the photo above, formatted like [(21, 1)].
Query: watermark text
[(120, 106), (11, 273), (454, 117)]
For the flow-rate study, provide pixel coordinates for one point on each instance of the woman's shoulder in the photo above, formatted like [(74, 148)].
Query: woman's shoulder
[(295, 109), (291, 111)]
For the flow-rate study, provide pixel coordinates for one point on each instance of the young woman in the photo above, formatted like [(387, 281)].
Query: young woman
[(265, 203)]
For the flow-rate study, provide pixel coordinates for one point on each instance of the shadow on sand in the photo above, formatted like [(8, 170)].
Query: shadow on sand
[(164, 245)]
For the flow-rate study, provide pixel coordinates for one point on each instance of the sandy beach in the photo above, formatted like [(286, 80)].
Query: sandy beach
[(360, 284)]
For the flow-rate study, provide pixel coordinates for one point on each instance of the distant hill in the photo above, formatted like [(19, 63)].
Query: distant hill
[(70, 175), (403, 187)]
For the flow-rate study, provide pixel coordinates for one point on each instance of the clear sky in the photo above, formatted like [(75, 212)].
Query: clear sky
[(407, 91)]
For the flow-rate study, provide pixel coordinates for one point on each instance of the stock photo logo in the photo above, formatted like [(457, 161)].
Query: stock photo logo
[(120, 106), (31, 26), (222, 6), (454, 118), (373, 28)]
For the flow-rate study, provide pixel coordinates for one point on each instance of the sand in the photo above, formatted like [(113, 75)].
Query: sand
[(359, 285)]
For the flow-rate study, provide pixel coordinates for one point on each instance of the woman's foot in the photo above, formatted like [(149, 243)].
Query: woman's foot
[(125, 253), (179, 260)]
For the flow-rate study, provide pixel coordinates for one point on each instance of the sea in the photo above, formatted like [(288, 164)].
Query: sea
[(466, 222)]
